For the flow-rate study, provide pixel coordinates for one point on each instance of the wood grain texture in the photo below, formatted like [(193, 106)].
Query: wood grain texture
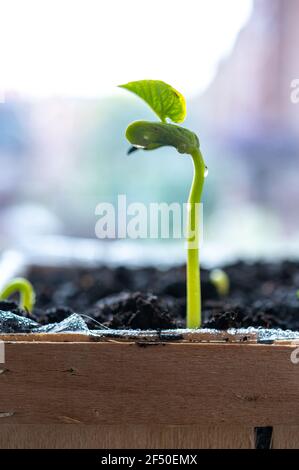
[(177, 384), (194, 336), (67, 436), (46, 337), (285, 437)]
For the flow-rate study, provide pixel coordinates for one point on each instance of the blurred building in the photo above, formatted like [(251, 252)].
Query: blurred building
[(248, 107), (250, 94)]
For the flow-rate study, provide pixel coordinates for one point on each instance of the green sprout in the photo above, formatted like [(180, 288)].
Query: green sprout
[(297, 294), (169, 104), (220, 280), (24, 288)]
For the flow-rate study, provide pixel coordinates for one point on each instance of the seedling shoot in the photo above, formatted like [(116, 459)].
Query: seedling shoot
[(220, 280), (170, 105), (22, 287)]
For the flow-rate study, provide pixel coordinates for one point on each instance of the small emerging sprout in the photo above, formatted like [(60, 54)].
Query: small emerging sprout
[(297, 294), (169, 104), (24, 288), (220, 280)]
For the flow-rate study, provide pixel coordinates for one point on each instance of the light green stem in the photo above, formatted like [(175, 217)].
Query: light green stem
[(24, 288), (193, 272)]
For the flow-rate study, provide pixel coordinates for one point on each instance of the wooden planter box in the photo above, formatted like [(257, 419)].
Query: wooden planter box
[(145, 395), (199, 391)]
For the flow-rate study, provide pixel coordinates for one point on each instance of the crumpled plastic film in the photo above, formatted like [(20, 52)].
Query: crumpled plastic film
[(11, 323), (72, 324)]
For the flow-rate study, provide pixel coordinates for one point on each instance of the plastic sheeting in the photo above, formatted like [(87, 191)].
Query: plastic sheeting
[(11, 323)]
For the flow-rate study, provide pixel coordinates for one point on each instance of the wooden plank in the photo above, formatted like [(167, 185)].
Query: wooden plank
[(46, 337), (285, 437), (165, 384), (67, 436), (134, 335)]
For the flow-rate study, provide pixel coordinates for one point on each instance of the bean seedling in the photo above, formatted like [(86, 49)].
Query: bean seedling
[(170, 105), (22, 287)]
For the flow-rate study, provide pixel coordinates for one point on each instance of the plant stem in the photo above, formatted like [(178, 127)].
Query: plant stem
[(193, 270), (25, 290)]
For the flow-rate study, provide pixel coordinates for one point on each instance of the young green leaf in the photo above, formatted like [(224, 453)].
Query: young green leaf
[(152, 135), (164, 100)]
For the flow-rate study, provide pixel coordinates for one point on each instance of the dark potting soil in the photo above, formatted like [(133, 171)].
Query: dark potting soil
[(261, 294)]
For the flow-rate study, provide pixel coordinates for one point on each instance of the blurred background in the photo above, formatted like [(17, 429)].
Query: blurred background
[(62, 119)]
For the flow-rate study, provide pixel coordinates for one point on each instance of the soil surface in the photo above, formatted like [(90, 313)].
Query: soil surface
[(261, 294)]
